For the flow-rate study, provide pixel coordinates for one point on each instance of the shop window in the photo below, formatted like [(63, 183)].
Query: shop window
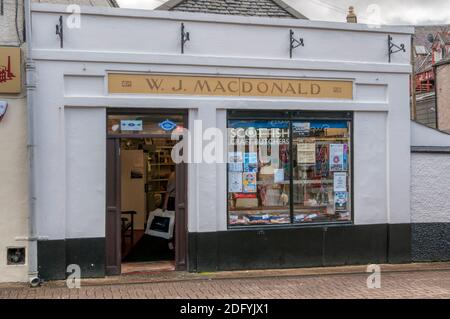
[(258, 172), (289, 171)]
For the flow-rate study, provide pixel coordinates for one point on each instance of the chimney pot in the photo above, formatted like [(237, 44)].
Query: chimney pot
[(351, 16)]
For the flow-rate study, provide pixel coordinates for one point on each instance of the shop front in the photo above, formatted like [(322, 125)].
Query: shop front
[(286, 162)]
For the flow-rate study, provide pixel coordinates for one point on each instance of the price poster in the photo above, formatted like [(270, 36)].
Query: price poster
[(337, 157), (251, 162), (340, 181), (235, 162), (306, 153), (235, 182)]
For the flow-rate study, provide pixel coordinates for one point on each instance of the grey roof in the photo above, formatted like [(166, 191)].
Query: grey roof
[(260, 8)]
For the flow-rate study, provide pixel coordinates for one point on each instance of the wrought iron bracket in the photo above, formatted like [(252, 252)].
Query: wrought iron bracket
[(185, 37), (294, 43), (394, 48), (60, 31)]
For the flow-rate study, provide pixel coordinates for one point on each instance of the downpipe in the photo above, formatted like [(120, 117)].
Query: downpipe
[(33, 274)]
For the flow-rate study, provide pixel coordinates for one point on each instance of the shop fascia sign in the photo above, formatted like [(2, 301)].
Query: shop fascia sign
[(119, 83), (10, 70)]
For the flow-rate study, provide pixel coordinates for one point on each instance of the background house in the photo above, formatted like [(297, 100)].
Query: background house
[(431, 49)]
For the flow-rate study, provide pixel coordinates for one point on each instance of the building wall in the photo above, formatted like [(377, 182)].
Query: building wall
[(430, 189), (95, 3), (13, 187), (430, 206), (69, 80), (443, 94), (13, 141), (8, 30), (13, 158)]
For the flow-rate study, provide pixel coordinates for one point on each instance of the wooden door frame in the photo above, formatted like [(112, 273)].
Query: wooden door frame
[(181, 237), (113, 227)]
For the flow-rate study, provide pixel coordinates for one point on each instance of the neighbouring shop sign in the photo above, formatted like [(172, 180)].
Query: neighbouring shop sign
[(228, 86), (10, 70)]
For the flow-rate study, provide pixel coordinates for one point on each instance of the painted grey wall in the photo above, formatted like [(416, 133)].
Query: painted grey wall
[(422, 135)]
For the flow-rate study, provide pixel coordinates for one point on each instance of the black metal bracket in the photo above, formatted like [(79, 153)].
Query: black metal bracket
[(294, 43), (60, 31), (185, 37), (394, 48)]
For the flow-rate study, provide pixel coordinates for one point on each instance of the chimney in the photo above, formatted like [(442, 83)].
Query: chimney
[(351, 16)]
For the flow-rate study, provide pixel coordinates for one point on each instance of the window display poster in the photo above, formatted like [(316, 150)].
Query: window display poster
[(306, 153), (322, 162), (235, 182), (345, 156), (340, 201), (278, 175), (337, 157), (301, 129), (340, 181), (249, 182), (251, 162), (235, 162)]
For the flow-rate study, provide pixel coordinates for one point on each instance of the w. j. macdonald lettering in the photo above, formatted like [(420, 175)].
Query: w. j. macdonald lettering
[(228, 86), (239, 87)]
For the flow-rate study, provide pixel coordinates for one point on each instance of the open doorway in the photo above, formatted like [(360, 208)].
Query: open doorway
[(146, 195)]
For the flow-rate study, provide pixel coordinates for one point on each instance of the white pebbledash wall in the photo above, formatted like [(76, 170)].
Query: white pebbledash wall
[(72, 97), (430, 175), (430, 190)]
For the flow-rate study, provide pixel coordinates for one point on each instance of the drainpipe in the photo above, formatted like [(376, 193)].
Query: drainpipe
[(30, 86)]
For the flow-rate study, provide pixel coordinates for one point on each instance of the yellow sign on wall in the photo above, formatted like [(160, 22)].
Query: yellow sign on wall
[(10, 70), (228, 86)]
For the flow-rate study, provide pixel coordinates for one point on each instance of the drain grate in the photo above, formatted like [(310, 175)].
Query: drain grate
[(16, 256)]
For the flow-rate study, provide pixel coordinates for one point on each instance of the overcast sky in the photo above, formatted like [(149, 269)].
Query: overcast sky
[(368, 11)]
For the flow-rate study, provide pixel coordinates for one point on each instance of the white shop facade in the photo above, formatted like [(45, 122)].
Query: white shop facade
[(317, 144)]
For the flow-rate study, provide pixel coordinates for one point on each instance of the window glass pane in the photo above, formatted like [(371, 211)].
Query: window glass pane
[(144, 124), (321, 171), (258, 172)]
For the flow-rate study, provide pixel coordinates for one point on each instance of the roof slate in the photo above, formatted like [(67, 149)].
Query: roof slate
[(260, 8)]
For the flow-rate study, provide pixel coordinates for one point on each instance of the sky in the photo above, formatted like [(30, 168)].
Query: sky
[(416, 12)]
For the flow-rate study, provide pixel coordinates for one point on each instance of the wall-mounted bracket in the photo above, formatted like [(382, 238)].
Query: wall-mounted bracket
[(185, 37), (394, 48), (294, 43), (60, 31)]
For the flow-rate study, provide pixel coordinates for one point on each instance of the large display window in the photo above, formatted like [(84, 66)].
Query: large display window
[(292, 169)]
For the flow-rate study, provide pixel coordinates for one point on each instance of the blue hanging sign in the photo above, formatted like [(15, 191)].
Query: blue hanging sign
[(167, 125)]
